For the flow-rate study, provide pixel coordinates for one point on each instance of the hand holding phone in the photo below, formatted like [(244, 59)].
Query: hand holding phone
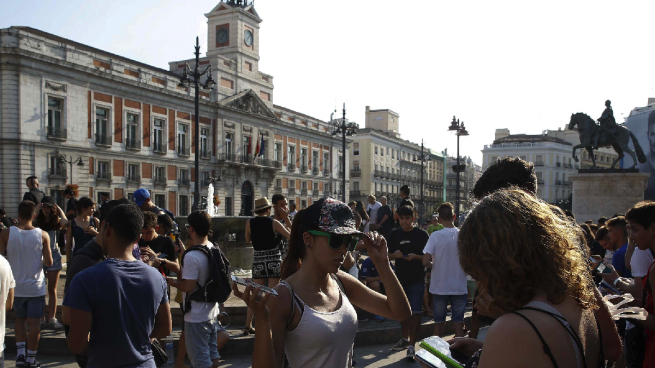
[(248, 282)]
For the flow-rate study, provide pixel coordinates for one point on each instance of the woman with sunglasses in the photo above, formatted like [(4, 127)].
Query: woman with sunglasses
[(51, 219), (312, 319)]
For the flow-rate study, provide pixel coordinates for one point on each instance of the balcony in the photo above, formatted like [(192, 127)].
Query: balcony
[(291, 167), (303, 192), (292, 192), (315, 193), (184, 182), (159, 147), (355, 193), (277, 189), (566, 183), (134, 179), (58, 172), (133, 144), (377, 173), (227, 157), (205, 182), (205, 154), (159, 180), (558, 182), (56, 133), (103, 140), (304, 169), (340, 174), (183, 151), (326, 172), (277, 164), (540, 181), (558, 164), (103, 175)]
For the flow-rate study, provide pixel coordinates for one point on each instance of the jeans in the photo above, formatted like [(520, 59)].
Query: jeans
[(201, 342), (414, 293), (457, 304)]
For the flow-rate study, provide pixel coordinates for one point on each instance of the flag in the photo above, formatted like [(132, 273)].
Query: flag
[(257, 150), (249, 144), (261, 146)]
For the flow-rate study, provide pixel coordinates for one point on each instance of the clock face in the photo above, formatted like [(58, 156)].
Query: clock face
[(248, 37), (222, 35)]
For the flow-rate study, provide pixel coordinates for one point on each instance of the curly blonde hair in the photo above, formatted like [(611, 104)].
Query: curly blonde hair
[(513, 244)]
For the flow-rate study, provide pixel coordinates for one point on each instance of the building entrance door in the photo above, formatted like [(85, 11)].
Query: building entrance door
[(247, 195)]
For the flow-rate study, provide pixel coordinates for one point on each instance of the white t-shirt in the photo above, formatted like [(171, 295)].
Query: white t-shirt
[(6, 282), (373, 215), (196, 267), (25, 256), (640, 262), (447, 278)]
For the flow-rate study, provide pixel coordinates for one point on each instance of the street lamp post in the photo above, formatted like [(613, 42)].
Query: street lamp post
[(346, 129), (425, 156), (460, 130), (70, 161), (185, 81)]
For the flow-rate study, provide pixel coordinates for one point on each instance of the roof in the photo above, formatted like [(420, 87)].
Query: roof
[(298, 113), (530, 138), (84, 47)]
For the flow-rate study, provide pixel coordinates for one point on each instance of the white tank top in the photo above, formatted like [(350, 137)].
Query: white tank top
[(25, 255), (322, 339)]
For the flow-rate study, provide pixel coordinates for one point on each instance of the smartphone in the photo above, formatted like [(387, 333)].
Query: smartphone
[(162, 255), (244, 282), (601, 267)]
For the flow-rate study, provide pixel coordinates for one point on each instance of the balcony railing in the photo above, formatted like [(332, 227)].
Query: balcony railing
[(184, 182), (134, 144), (356, 172), (291, 166), (315, 170), (340, 174), (540, 181), (161, 180), (277, 189), (377, 173), (558, 164), (292, 191), (566, 183), (303, 192), (183, 151), (229, 157), (326, 172), (539, 163), (304, 169), (159, 147), (57, 172), (315, 193), (205, 182), (206, 154), (56, 133), (277, 164), (355, 193), (103, 175), (102, 139), (134, 179)]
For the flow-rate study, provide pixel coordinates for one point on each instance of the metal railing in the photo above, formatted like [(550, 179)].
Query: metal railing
[(303, 192), (103, 139), (205, 182), (291, 166), (184, 181), (134, 178), (558, 182), (539, 163), (183, 151), (326, 172), (340, 174), (292, 191), (103, 175), (304, 169), (229, 157), (57, 172), (277, 189), (355, 193), (159, 180), (159, 147), (57, 133), (133, 144), (206, 154), (315, 170), (315, 193), (377, 173), (356, 172)]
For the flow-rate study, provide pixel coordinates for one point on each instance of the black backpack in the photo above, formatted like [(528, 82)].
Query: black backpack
[(218, 288)]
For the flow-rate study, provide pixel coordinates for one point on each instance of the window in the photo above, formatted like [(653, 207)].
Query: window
[(158, 136), (326, 162), (103, 170), (229, 208), (160, 174), (382, 151), (182, 133), (315, 159), (292, 183), (102, 128), (356, 185), (356, 149), (387, 151), (204, 142), (278, 152), (57, 167), (133, 172), (393, 154), (292, 155), (54, 116), (244, 147), (160, 200), (229, 143), (204, 177), (132, 127), (315, 185), (304, 184), (356, 165), (540, 160), (58, 196), (278, 183), (376, 150), (376, 167), (303, 203), (184, 205), (184, 176), (540, 178), (303, 157)]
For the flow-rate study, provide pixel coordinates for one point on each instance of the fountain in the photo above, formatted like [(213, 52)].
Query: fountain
[(211, 209)]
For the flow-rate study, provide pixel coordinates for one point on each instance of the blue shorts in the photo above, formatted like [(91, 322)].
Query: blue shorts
[(201, 342), (457, 304), (29, 307), (414, 294)]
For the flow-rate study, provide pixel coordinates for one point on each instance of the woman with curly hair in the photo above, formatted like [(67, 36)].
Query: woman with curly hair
[(529, 260)]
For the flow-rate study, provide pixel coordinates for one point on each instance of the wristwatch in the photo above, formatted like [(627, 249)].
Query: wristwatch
[(616, 281)]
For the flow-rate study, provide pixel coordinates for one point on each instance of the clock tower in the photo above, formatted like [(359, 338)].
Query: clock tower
[(233, 32)]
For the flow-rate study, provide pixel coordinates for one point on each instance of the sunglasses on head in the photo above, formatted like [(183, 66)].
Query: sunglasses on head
[(336, 241)]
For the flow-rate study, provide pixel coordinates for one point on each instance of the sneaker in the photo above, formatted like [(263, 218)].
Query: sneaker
[(43, 325), (20, 361), (30, 365), (410, 353), (55, 325), (402, 344)]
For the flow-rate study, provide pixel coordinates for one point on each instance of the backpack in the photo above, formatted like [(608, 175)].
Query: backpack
[(218, 287)]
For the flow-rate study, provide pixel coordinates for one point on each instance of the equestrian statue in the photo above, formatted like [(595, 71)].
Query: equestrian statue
[(606, 133)]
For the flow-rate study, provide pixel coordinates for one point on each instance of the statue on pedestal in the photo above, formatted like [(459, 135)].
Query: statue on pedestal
[(608, 133)]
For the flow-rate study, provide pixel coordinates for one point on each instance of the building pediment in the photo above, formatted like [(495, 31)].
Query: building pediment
[(248, 102)]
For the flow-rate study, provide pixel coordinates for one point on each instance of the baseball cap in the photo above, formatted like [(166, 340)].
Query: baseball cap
[(140, 196), (332, 216), (48, 201)]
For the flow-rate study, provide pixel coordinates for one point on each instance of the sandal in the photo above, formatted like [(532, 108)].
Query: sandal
[(248, 331)]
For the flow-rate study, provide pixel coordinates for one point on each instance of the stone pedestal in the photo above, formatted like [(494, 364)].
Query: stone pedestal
[(605, 193)]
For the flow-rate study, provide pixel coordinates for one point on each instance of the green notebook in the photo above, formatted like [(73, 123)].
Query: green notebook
[(435, 347)]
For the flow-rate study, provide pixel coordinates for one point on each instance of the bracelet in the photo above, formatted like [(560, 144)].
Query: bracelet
[(616, 281)]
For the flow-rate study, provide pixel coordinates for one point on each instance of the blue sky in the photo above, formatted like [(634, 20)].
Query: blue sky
[(522, 65)]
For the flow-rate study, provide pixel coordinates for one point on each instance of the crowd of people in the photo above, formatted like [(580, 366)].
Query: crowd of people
[(546, 284)]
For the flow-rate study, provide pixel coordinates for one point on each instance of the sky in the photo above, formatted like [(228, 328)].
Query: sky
[(522, 65)]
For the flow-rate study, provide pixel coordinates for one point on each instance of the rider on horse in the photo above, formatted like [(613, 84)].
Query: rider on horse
[(607, 122)]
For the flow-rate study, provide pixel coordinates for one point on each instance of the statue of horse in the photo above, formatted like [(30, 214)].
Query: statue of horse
[(588, 129)]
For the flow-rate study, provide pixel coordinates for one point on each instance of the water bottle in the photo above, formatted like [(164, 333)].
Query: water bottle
[(169, 350)]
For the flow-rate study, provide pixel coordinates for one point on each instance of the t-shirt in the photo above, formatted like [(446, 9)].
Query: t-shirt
[(432, 228), (640, 262), (404, 202), (369, 270), (385, 210), (90, 255), (34, 195), (372, 210), (71, 205), (409, 272), (123, 298), (196, 267), (164, 245), (618, 262), (447, 277), (7, 282)]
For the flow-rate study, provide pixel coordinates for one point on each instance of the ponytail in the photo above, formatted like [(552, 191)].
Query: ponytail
[(297, 248)]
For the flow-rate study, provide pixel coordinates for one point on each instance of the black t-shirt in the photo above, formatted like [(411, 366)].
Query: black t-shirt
[(161, 244), (409, 272), (34, 195), (385, 210), (71, 205)]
